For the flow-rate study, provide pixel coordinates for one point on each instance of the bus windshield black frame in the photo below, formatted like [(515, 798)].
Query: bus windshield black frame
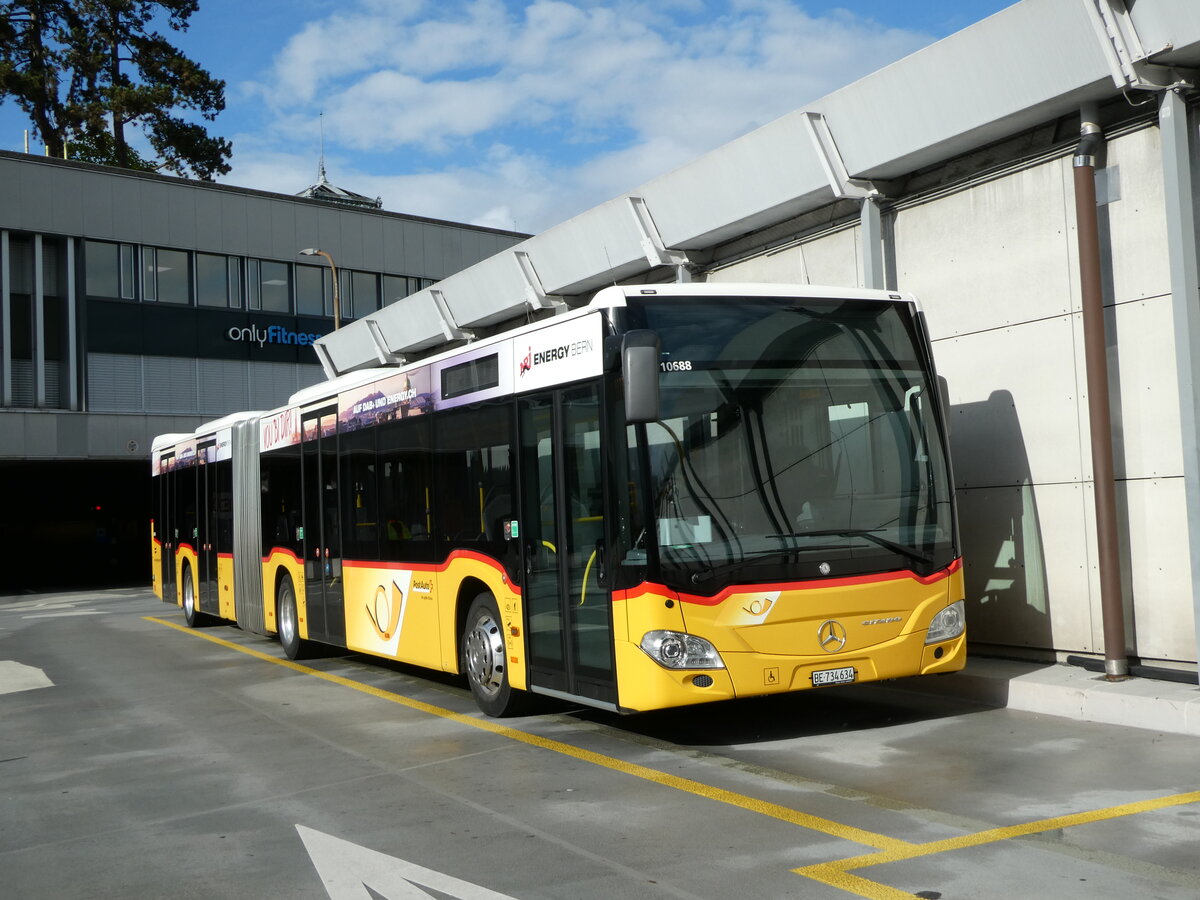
[(798, 439)]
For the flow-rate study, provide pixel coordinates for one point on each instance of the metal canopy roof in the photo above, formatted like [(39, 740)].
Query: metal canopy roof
[(331, 193), (1032, 62)]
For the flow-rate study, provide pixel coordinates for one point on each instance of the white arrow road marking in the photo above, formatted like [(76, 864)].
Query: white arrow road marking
[(347, 870), (15, 676)]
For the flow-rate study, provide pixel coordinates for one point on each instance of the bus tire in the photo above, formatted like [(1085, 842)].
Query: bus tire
[(484, 660), (191, 614), (288, 618)]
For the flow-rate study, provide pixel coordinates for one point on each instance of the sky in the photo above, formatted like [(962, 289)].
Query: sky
[(519, 115)]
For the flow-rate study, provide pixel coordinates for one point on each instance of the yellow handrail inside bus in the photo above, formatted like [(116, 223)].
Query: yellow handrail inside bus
[(587, 571)]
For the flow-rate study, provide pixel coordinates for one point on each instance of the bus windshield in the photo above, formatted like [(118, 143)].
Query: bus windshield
[(798, 438)]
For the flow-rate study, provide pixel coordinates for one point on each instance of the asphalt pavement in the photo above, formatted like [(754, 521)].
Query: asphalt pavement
[(139, 758)]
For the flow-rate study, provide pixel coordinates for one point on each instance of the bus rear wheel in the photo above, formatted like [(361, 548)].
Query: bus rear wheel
[(485, 661), (289, 621)]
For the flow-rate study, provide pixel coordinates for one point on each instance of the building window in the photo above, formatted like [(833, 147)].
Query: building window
[(235, 281), (166, 275), (218, 281), (128, 272), (20, 324), (364, 287), (212, 280), (109, 269), (396, 287), (310, 290), (275, 286), (253, 281)]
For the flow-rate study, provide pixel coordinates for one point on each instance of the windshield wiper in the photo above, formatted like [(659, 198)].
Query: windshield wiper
[(710, 573), (902, 549), (865, 534)]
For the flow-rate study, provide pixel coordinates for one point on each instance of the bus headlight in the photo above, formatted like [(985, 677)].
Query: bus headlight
[(949, 623), (677, 650)]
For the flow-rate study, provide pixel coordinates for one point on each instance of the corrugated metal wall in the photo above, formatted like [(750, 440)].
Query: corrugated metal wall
[(171, 385)]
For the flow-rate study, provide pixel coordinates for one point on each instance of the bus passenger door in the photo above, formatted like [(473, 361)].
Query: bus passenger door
[(566, 597), (167, 527), (322, 536), (206, 547)]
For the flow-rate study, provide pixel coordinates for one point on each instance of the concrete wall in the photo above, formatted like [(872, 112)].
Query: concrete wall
[(51, 435), (995, 265)]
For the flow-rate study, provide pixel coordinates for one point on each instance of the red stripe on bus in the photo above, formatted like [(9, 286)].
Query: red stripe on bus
[(903, 575), (425, 567), (281, 551)]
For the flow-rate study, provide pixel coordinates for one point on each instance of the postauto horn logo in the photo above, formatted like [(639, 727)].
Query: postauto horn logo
[(272, 334)]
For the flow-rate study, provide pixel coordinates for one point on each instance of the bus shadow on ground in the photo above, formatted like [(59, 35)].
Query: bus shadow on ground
[(862, 707), (790, 716)]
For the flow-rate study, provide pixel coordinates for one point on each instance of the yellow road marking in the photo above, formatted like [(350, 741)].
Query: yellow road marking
[(836, 874), (730, 798)]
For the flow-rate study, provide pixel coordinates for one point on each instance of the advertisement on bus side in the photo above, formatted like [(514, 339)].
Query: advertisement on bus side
[(559, 354)]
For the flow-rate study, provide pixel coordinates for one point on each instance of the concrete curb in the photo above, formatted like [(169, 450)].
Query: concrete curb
[(1074, 693)]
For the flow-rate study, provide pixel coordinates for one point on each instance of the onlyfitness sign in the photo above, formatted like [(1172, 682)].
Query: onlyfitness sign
[(272, 334)]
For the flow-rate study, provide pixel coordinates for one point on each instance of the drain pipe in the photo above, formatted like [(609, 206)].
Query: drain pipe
[(1091, 140)]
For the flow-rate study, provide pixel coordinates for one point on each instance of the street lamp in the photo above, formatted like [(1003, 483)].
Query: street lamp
[(337, 302)]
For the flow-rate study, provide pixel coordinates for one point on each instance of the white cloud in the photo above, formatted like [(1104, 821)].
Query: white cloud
[(605, 95)]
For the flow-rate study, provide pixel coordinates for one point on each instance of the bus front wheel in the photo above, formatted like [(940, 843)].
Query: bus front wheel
[(191, 615), (485, 661), (289, 621)]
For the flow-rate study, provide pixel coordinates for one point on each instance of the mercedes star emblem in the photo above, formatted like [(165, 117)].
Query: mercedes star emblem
[(832, 635)]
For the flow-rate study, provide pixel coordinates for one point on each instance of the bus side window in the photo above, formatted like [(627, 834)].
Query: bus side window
[(474, 479), (405, 487), (360, 501)]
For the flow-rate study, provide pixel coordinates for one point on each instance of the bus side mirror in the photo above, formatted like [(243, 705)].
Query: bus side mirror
[(640, 351)]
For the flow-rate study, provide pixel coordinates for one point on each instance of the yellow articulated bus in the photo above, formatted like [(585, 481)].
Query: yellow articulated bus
[(674, 495)]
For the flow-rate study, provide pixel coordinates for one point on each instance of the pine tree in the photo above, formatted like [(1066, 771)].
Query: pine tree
[(83, 70)]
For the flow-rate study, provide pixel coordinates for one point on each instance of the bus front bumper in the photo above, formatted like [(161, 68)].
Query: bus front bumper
[(645, 685)]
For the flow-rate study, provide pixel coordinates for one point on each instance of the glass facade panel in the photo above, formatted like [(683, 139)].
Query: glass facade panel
[(274, 286), (394, 287), (102, 262), (149, 274), (253, 285), (212, 280), (310, 290), (174, 283), (365, 286), (20, 284), (235, 282), (20, 324), (128, 272), (51, 268)]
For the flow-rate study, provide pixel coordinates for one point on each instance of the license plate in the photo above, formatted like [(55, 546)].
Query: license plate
[(833, 676)]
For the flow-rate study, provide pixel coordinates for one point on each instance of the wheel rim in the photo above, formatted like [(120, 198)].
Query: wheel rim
[(189, 595), (485, 655), (287, 619)]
